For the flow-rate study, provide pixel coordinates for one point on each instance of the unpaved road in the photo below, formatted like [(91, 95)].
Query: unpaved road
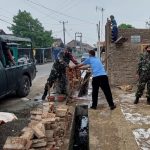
[(125, 128)]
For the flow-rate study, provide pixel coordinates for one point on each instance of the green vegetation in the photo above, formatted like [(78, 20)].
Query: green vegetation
[(125, 26), (25, 26)]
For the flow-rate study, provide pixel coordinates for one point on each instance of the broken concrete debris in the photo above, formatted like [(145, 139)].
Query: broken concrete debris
[(46, 130), (7, 117)]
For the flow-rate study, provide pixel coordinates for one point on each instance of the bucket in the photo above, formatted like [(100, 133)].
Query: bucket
[(51, 98), (61, 98)]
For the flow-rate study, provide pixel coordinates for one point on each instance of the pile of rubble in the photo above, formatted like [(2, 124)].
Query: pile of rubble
[(46, 130)]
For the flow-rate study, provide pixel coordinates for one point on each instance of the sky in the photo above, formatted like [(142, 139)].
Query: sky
[(80, 15)]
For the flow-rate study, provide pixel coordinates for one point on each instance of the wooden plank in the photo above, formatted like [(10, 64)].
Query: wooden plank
[(121, 40)]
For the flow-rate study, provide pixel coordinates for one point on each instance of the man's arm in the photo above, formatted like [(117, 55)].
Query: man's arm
[(73, 59), (10, 56), (80, 65)]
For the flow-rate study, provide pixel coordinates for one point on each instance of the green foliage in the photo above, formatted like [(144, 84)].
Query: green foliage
[(25, 26), (125, 26)]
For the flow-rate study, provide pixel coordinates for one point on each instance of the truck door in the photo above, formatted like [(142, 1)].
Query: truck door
[(12, 77), (3, 80)]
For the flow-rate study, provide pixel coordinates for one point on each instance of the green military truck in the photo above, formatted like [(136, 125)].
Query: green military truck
[(15, 76)]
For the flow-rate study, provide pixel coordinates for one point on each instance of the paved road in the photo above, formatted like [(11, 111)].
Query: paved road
[(43, 70), (12, 103), (21, 106)]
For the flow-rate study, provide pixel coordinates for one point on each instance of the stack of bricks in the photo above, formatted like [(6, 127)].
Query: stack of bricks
[(46, 131), (74, 78)]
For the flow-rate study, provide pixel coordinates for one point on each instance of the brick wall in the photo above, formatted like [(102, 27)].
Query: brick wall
[(122, 63), (143, 33)]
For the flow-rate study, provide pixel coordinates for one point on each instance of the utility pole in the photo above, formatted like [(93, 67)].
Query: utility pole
[(98, 33), (31, 37), (64, 30), (78, 34), (102, 18), (30, 29), (100, 29)]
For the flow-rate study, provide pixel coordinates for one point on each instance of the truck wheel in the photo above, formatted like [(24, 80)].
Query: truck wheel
[(24, 87)]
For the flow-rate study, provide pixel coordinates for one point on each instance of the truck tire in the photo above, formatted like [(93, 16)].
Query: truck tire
[(24, 87)]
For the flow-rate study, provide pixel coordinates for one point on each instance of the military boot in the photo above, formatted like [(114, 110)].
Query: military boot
[(136, 100), (44, 95), (148, 101)]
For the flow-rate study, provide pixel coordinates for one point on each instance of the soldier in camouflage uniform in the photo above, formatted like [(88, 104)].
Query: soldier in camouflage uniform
[(144, 75), (58, 72)]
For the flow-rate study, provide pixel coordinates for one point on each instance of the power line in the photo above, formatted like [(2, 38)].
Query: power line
[(6, 21), (57, 31), (47, 15), (59, 12), (72, 5), (6, 11), (5, 16), (69, 34), (64, 4)]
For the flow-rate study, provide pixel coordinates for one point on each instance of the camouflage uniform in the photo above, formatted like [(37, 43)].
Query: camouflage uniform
[(144, 75), (58, 73)]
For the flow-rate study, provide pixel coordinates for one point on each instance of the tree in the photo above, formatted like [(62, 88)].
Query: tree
[(125, 26), (25, 26)]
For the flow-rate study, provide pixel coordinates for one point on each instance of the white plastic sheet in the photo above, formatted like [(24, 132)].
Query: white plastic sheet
[(7, 117)]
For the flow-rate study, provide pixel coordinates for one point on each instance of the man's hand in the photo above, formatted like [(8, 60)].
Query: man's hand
[(73, 66), (85, 67)]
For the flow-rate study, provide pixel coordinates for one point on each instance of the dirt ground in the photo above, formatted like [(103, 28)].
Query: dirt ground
[(125, 128)]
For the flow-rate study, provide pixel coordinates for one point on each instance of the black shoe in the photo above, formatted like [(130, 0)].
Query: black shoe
[(93, 107), (112, 107), (136, 101), (43, 97)]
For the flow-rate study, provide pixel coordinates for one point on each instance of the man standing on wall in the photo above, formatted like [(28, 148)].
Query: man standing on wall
[(144, 75), (114, 28)]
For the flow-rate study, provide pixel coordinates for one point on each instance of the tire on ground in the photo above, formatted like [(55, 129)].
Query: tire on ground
[(24, 86)]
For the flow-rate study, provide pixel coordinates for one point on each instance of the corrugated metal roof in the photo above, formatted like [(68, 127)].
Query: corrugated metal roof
[(14, 38)]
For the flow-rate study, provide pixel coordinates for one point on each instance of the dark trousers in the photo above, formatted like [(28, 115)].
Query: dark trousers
[(114, 34), (141, 86), (101, 81)]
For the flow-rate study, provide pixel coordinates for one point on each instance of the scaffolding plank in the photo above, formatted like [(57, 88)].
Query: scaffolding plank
[(121, 40)]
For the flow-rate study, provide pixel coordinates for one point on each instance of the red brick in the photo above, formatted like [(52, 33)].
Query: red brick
[(15, 143)]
